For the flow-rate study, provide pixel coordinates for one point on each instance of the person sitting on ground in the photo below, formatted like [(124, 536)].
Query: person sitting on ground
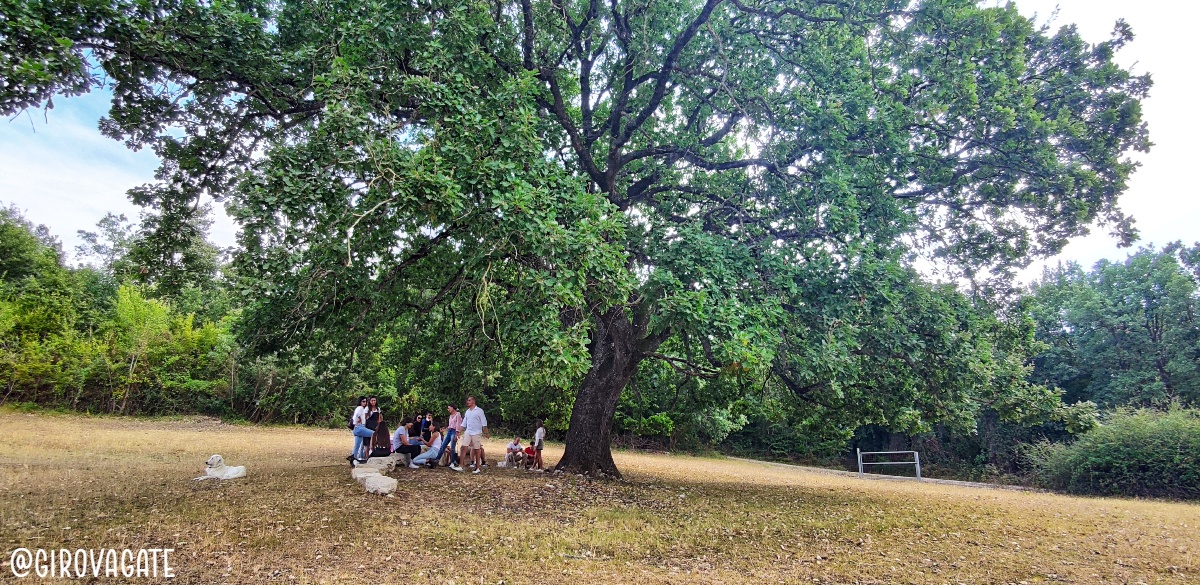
[(515, 454), (530, 454), (435, 448), (403, 443)]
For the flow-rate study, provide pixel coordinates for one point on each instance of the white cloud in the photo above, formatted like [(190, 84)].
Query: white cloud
[(60, 171)]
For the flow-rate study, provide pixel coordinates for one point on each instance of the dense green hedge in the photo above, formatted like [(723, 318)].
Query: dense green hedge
[(1143, 453)]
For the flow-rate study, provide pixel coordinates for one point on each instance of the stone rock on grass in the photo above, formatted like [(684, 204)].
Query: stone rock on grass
[(378, 484), (361, 474), (383, 463)]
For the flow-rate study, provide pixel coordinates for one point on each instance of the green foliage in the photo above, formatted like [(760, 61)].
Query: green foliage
[(653, 426), (25, 250), (108, 249), (1124, 333), (1142, 453), (75, 338)]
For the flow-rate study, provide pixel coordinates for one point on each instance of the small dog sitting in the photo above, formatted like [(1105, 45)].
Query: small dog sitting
[(216, 469)]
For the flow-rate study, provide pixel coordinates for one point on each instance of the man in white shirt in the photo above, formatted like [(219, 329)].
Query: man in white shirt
[(475, 429), (516, 453)]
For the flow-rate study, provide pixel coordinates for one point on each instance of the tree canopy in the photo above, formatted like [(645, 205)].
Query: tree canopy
[(548, 194), (1124, 333)]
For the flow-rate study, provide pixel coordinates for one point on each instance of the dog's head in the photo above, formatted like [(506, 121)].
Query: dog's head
[(216, 461)]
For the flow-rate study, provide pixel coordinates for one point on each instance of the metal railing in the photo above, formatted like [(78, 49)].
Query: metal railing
[(916, 460)]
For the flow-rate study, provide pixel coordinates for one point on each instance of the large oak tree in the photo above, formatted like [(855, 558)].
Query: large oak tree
[(579, 186)]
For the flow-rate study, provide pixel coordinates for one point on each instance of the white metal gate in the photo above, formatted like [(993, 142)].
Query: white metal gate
[(916, 460)]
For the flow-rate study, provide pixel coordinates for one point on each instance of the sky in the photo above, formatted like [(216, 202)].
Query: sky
[(60, 171)]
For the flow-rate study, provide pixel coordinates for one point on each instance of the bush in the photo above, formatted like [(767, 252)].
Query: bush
[(1143, 453)]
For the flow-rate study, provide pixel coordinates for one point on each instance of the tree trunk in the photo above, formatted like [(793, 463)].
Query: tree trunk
[(616, 349)]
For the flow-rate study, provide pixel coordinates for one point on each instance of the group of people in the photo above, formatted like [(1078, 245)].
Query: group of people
[(530, 456), (427, 443)]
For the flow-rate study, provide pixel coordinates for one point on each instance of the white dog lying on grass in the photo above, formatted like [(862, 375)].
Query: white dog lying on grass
[(218, 470)]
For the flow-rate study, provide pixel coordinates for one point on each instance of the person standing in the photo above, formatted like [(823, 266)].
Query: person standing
[(374, 417), (475, 429), (359, 421), (539, 440), (454, 430)]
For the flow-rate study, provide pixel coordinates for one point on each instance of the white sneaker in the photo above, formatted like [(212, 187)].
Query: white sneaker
[(455, 468), (476, 471), (413, 466)]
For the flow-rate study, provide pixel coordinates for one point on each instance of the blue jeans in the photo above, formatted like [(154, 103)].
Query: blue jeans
[(452, 441), (426, 457), (360, 432)]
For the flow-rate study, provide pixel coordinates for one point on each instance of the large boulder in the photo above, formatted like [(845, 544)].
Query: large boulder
[(378, 484), (400, 459), (360, 474)]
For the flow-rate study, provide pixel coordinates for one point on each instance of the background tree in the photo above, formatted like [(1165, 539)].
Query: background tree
[(603, 183), (108, 248), (1124, 333)]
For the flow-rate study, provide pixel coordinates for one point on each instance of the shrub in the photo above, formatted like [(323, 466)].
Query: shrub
[(1143, 453)]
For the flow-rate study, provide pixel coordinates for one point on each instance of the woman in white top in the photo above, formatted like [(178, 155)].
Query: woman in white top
[(539, 440), (359, 420), (435, 448), (373, 413)]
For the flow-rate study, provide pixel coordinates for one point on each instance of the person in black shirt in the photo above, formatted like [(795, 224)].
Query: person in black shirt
[(381, 443), (373, 413), (426, 423)]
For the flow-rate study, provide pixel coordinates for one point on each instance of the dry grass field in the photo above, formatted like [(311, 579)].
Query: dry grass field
[(78, 482)]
